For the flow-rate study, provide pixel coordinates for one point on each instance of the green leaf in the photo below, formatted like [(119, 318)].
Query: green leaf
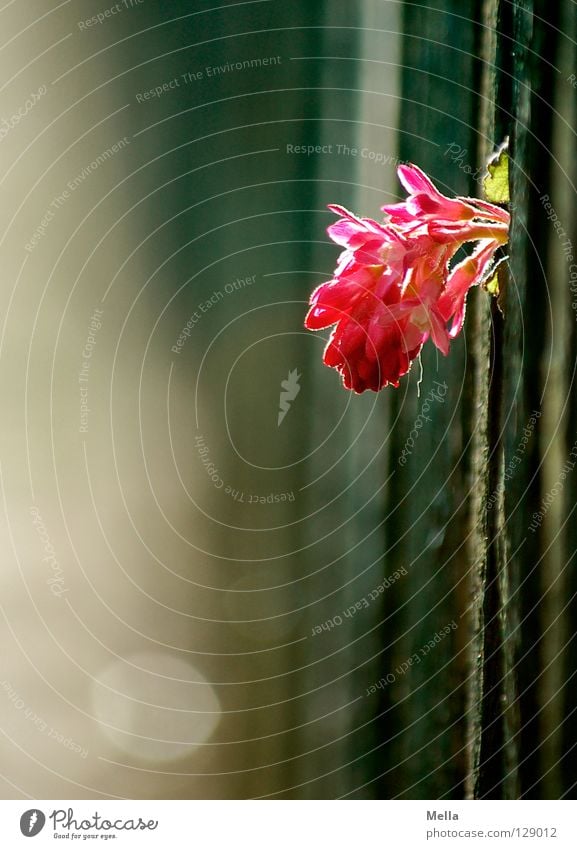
[(496, 183), (492, 285)]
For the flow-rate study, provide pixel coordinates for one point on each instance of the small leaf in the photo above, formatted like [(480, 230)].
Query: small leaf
[(496, 283), (492, 285), (496, 183)]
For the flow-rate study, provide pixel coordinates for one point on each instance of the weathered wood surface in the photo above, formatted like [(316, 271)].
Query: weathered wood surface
[(511, 588), (521, 687), (423, 710)]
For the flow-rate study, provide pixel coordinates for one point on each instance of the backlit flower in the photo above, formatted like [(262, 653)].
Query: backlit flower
[(394, 285)]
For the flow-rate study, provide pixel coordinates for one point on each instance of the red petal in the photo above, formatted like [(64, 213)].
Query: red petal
[(415, 181)]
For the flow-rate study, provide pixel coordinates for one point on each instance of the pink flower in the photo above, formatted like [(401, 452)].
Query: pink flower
[(394, 286)]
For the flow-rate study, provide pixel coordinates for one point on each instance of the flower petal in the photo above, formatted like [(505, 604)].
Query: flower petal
[(415, 181)]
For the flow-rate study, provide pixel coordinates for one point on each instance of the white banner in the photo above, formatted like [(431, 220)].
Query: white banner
[(286, 825)]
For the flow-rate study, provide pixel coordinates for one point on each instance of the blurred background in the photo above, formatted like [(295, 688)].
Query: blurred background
[(215, 570)]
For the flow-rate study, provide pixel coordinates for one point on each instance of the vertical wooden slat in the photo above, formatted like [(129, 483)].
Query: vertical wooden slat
[(360, 115), (492, 758), (564, 188), (535, 76), (426, 509)]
